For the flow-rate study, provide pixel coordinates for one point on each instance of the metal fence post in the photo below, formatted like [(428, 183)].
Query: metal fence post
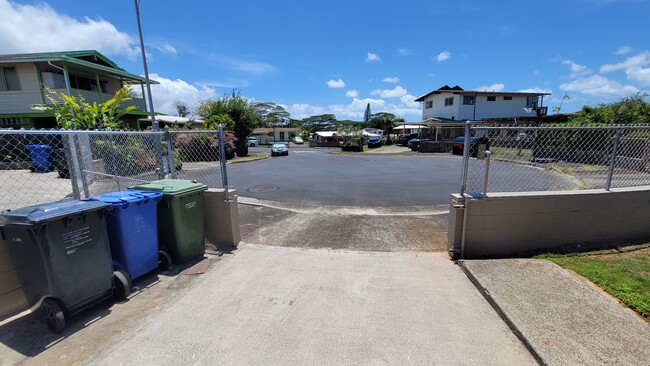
[(70, 162), (222, 160), (170, 153), (80, 164), (463, 185), (612, 159)]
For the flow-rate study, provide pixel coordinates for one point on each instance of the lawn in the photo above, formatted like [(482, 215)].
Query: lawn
[(624, 275)]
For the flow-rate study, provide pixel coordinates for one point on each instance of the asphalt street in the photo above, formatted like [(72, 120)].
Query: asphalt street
[(318, 176)]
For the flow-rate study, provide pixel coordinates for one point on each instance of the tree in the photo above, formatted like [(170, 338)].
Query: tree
[(240, 110), (181, 109), (76, 113), (384, 121), (631, 110), (321, 122)]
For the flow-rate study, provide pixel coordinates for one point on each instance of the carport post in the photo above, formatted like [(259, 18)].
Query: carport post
[(463, 185)]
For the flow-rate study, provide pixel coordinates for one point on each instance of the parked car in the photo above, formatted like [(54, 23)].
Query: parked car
[(475, 141), (298, 140), (413, 144), (404, 139), (279, 148), (252, 141), (374, 140)]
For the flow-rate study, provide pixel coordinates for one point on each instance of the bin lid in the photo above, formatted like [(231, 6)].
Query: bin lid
[(35, 146), (51, 211), (172, 186), (124, 198)]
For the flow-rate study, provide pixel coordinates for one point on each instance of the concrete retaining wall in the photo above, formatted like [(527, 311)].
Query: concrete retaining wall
[(507, 223)]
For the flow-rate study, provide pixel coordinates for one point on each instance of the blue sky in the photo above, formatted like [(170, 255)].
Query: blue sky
[(317, 57)]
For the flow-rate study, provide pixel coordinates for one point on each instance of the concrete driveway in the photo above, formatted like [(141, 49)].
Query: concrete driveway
[(268, 305)]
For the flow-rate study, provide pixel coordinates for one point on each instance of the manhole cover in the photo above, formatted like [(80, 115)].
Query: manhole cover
[(262, 189)]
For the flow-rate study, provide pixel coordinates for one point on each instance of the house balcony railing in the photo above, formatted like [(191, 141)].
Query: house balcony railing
[(95, 97)]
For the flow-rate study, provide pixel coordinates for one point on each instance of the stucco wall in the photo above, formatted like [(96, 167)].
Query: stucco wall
[(506, 223)]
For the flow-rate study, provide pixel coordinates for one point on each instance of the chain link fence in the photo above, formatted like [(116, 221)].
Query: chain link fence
[(48, 165), (555, 158)]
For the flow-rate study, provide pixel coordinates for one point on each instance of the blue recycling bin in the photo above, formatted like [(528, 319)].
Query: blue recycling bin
[(41, 158), (133, 230)]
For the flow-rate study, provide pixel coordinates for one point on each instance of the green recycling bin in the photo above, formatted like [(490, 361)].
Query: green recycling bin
[(180, 219)]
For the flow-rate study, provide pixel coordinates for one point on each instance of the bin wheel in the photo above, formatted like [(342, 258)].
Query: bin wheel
[(32, 169), (164, 261), (53, 315), (122, 284)]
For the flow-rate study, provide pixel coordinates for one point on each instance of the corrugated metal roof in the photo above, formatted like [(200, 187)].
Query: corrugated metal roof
[(100, 62)]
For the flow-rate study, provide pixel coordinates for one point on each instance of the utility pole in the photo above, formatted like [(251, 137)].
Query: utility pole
[(154, 123)]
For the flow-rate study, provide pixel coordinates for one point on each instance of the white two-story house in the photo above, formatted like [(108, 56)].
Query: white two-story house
[(76, 73), (455, 103)]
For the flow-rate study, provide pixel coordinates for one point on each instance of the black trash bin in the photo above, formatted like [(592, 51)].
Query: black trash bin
[(61, 163), (65, 257)]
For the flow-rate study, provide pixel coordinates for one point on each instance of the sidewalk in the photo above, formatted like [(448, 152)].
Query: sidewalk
[(270, 305), (562, 319)]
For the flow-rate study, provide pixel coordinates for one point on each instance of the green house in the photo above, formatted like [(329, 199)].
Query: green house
[(77, 73)]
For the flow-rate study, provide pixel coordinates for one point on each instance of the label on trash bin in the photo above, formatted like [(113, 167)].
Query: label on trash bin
[(76, 238), (190, 205)]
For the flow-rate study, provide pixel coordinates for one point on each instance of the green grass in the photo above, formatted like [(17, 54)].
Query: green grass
[(250, 157), (626, 277)]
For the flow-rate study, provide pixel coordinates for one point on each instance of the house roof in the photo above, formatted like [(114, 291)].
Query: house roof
[(326, 133), (88, 59), (458, 90), (278, 129), (172, 119)]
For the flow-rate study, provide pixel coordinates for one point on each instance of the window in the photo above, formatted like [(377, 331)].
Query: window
[(469, 99), (531, 101), (84, 83), (282, 136), (507, 97), (9, 79), (449, 101), (428, 104), (491, 98)]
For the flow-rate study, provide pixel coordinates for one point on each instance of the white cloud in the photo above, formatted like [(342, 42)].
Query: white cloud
[(443, 56), (397, 92), (494, 87), (535, 90), (639, 60), (404, 51), (39, 28), (639, 75), (407, 108), (599, 86), (373, 57), (336, 83), (577, 70), (390, 79), (169, 92), (352, 94), (167, 48), (303, 110), (623, 50)]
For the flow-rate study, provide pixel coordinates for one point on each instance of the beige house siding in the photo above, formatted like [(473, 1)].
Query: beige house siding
[(19, 101)]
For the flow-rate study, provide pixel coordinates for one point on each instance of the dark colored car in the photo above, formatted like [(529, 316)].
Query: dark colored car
[(404, 139), (475, 141)]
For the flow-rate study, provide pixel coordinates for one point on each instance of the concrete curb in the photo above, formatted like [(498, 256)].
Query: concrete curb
[(442, 209), (486, 294)]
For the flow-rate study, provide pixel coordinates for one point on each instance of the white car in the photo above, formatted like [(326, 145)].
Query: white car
[(298, 140), (252, 142)]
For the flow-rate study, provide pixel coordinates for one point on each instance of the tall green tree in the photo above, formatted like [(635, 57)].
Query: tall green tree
[(240, 110), (631, 110), (367, 115)]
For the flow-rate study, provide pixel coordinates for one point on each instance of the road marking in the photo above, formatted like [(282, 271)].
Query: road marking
[(304, 152)]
